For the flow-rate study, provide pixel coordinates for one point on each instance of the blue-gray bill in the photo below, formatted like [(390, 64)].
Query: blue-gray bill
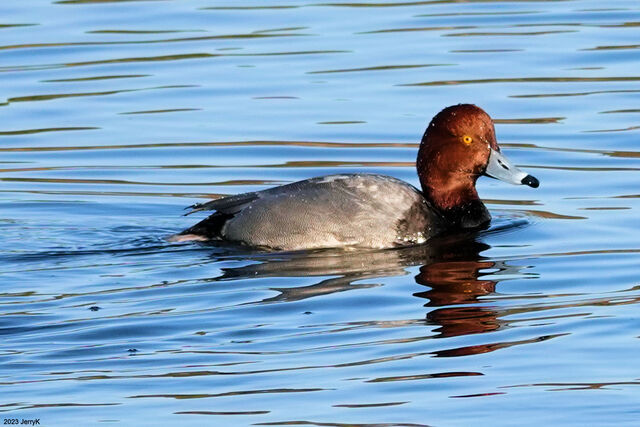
[(499, 167)]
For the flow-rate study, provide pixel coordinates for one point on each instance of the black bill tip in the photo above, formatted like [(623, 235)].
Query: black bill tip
[(531, 181)]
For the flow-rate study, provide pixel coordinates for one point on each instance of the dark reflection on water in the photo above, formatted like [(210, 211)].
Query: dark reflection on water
[(354, 266), (455, 281)]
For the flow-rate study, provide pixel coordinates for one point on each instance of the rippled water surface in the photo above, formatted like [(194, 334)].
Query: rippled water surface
[(115, 115)]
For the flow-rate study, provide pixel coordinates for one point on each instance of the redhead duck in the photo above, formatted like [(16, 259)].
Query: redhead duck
[(373, 211)]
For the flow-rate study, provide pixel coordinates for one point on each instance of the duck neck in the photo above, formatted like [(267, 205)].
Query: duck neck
[(457, 200)]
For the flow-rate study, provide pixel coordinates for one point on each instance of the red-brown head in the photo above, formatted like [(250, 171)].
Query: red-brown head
[(458, 146)]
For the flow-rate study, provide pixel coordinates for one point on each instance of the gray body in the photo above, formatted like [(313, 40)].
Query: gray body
[(357, 210)]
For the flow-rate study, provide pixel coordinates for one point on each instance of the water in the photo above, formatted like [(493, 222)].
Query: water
[(115, 115)]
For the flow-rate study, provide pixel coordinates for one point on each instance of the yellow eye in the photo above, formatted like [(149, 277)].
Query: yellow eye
[(467, 140)]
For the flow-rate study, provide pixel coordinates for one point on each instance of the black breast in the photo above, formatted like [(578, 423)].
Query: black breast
[(421, 221), (472, 215)]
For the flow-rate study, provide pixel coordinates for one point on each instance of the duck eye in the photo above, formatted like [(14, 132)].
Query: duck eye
[(467, 140)]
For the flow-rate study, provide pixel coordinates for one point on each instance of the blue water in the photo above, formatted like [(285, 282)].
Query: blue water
[(115, 115)]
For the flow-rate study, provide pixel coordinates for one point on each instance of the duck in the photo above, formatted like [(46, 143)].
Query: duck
[(362, 210)]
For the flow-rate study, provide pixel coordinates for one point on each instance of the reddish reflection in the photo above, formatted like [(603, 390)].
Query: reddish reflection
[(455, 280), (452, 272)]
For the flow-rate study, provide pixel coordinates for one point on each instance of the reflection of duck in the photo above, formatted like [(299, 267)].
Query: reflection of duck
[(455, 282), (451, 267), (373, 211), (346, 267), (441, 269), (456, 287)]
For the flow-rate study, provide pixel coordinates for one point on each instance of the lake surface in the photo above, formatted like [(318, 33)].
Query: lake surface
[(115, 115)]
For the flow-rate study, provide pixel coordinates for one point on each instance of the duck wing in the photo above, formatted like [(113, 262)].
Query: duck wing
[(237, 202), (228, 205)]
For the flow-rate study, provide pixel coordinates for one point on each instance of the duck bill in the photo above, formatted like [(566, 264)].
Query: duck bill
[(499, 167)]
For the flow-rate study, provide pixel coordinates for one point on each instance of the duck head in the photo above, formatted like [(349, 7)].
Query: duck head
[(458, 147)]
